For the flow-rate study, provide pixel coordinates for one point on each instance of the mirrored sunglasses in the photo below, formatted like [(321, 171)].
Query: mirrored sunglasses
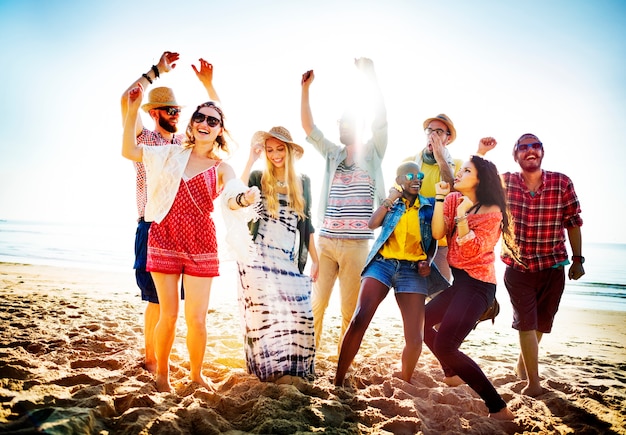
[(200, 117), (413, 176)]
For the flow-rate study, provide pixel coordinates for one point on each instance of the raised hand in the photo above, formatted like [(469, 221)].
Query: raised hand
[(166, 63), (307, 78), (442, 188), (135, 95), (486, 144), (205, 73)]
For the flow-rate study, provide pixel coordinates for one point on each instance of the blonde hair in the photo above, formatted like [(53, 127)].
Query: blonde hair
[(294, 186)]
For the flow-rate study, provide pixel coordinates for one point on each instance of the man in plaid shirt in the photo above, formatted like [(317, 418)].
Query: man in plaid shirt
[(165, 111), (544, 205)]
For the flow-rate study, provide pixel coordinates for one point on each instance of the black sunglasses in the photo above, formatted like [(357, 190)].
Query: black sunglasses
[(200, 117), (171, 111), (534, 145)]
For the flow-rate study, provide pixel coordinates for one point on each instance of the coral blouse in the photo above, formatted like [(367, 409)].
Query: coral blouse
[(473, 252)]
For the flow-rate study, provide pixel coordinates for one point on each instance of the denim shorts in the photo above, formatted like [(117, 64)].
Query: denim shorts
[(402, 275)]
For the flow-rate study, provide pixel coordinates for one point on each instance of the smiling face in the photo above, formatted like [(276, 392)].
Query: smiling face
[(206, 124), (529, 153), (466, 180), (275, 152), (410, 179)]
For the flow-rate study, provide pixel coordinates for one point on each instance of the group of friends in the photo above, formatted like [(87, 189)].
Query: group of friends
[(439, 226)]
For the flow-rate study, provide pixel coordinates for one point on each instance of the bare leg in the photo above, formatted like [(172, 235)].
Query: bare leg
[(372, 294), (197, 292), (151, 318), (165, 330), (412, 309), (529, 345)]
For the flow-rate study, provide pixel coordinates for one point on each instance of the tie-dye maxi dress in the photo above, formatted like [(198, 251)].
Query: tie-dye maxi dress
[(275, 301)]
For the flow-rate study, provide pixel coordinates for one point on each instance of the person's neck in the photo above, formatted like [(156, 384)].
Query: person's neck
[(279, 173), (532, 179), (164, 133), (203, 148)]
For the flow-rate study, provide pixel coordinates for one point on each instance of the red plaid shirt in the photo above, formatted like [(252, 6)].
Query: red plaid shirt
[(150, 138), (540, 220)]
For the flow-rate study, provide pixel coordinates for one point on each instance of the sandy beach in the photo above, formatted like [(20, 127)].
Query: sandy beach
[(71, 354)]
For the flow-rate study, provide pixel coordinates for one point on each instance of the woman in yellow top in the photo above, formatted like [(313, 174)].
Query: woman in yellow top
[(400, 258)]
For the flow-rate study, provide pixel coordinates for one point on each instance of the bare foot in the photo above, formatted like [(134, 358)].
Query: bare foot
[(453, 381), (521, 369), (504, 414), (163, 384), (150, 366), (533, 390), (203, 382)]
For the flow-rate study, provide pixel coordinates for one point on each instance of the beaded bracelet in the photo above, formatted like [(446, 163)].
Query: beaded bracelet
[(238, 200), (145, 76), (439, 200), (156, 71), (459, 219)]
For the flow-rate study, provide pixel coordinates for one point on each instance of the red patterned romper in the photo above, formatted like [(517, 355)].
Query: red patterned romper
[(185, 241)]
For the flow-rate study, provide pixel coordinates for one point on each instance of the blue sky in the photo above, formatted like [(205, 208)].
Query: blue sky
[(497, 68)]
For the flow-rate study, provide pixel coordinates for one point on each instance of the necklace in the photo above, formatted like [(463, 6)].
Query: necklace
[(281, 183)]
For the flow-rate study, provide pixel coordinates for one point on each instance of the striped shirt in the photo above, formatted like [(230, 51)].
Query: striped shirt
[(149, 138), (350, 204), (541, 219)]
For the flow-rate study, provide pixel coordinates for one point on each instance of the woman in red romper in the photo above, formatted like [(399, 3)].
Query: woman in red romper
[(183, 181)]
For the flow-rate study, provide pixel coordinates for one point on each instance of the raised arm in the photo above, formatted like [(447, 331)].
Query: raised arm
[(306, 116), (485, 145), (205, 75), (376, 220), (130, 149), (438, 223), (366, 66), (166, 63), (256, 150)]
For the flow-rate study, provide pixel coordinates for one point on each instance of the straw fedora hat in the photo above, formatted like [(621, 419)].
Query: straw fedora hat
[(443, 118), (160, 97), (280, 133)]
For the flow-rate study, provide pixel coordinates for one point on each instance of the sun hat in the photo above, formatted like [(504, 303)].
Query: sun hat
[(443, 118), (160, 97), (280, 133)]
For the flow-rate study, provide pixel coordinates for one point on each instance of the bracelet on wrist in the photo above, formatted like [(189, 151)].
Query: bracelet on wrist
[(387, 203), (458, 219), (145, 76), (439, 200), (155, 69)]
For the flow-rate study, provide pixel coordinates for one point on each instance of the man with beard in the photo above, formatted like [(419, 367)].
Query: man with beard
[(352, 180), (543, 205), (165, 111), (436, 164)]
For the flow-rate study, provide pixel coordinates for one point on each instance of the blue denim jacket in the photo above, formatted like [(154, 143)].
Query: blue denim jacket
[(436, 281)]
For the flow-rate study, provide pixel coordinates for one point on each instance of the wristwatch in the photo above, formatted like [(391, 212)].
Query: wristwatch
[(578, 258)]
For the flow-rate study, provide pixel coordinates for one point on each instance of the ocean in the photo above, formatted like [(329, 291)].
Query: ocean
[(110, 247)]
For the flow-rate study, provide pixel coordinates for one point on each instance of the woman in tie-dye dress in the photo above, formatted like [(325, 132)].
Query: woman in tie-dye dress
[(274, 294)]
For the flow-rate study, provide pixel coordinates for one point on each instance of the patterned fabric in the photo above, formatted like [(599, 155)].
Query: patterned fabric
[(370, 158), (350, 204), (474, 252), (275, 301), (540, 220), (185, 241), (149, 138)]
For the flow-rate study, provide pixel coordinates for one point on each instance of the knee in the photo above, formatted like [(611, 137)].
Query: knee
[(414, 344), (195, 321)]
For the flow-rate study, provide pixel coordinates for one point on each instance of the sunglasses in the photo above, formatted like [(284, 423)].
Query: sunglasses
[(413, 176), (171, 111), (525, 146), (200, 117)]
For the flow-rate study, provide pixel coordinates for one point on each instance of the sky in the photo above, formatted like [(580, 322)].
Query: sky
[(555, 68)]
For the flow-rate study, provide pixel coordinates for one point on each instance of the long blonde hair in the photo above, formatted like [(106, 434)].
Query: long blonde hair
[(294, 186)]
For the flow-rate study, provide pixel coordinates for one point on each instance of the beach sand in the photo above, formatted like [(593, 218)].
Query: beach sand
[(71, 352)]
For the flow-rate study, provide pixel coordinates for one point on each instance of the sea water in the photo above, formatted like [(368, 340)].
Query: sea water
[(110, 247)]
